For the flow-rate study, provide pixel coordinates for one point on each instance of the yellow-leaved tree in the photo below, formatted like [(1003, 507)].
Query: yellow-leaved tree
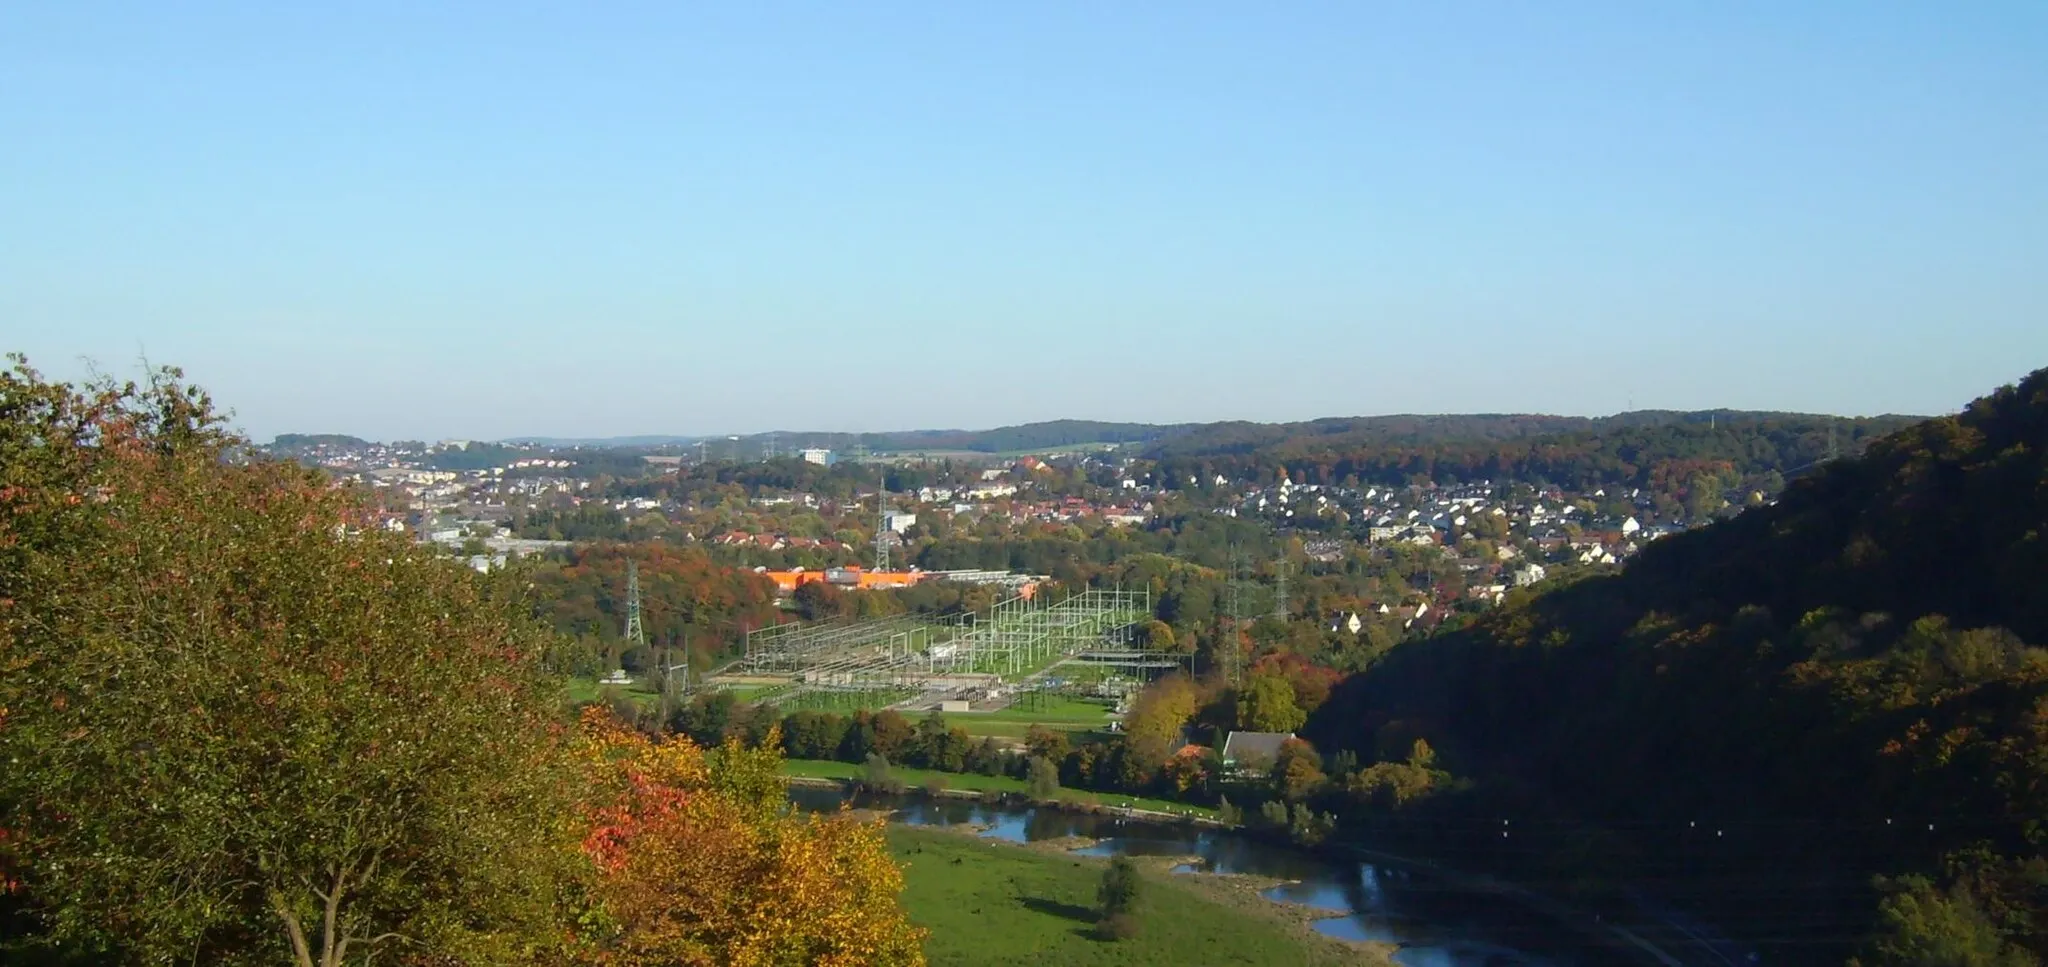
[(700, 861)]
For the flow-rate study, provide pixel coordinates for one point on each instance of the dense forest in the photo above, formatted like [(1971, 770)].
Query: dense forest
[(1654, 451), (1845, 687), (687, 601)]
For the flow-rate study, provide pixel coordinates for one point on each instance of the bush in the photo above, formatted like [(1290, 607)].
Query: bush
[(935, 786), (876, 776), (1118, 894)]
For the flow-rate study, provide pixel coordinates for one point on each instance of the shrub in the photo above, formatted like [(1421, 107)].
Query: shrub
[(877, 776), (1118, 894)]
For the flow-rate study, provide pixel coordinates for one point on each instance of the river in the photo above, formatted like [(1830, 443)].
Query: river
[(1434, 921)]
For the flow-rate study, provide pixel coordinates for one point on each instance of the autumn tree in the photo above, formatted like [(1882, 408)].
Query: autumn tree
[(1162, 711), (240, 726), (1297, 770), (699, 860), (817, 601), (1159, 635), (1049, 744)]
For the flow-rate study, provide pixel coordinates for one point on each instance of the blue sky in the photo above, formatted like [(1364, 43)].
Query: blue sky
[(481, 220)]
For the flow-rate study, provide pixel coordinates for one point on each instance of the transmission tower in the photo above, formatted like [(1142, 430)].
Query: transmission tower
[(1833, 450), (1232, 654), (636, 634), (1280, 592), (882, 524)]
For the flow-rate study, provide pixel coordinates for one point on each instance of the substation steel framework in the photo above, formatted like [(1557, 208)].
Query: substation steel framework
[(1013, 638)]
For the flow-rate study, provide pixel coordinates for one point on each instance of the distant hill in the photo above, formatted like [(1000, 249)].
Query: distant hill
[(1029, 436), (1653, 449), (1844, 684), (1332, 434), (616, 442), (1453, 445)]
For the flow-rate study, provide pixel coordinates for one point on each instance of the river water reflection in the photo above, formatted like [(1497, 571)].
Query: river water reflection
[(1435, 923)]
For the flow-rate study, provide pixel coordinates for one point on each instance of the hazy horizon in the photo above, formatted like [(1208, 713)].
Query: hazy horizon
[(482, 222), (794, 437)]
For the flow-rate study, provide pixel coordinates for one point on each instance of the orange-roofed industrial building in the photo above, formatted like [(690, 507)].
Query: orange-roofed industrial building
[(844, 577)]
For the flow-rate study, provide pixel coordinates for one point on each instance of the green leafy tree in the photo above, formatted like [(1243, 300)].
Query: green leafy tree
[(1041, 778), (1267, 705), (1921, 925), (1116, 898), (243, 727)]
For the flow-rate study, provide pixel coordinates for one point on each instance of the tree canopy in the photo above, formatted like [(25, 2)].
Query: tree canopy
[(242, 727)]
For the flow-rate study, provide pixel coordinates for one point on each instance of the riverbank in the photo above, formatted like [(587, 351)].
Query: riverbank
[(972, 785), (1404, 901), (998, 903)]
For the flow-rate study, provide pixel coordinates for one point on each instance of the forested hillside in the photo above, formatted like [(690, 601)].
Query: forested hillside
[(1643, 449), (1844, 685)]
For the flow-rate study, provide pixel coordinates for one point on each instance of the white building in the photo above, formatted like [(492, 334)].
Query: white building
[(897, 521), (817, 455)]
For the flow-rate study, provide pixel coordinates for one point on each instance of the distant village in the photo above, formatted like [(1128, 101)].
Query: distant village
[(1497, 536)]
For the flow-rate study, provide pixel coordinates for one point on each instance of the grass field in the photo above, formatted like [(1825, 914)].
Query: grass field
[(749, 693), (980, 726), (997, 904), (917, 778), (1054, 712)]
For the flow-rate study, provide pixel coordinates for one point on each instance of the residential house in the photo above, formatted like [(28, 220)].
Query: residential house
[(1252, 751)]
